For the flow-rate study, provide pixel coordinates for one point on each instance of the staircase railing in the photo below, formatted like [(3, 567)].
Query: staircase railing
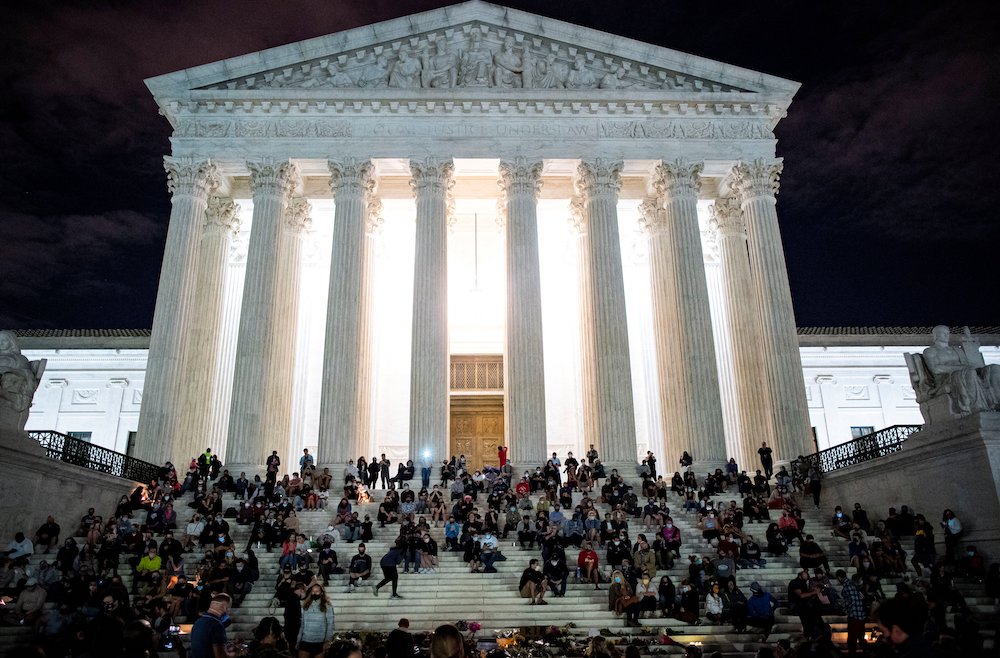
[(862, 449), (71, 450)]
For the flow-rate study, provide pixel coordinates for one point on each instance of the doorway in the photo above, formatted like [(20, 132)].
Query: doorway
[(476, 429)]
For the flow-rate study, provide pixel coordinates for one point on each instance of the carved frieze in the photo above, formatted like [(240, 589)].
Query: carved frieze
[(474, 55)]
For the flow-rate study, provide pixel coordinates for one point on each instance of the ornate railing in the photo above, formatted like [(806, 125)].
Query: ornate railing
[(862, 449), (74, 451)]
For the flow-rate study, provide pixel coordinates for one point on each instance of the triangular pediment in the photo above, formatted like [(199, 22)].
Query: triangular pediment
[(475, 47)]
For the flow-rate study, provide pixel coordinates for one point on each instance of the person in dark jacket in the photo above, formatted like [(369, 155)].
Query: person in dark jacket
[(390, 569), (399, 644)]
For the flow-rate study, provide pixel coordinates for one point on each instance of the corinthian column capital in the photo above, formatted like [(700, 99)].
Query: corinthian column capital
[(222, 216), (190, 177), (351, 176), (297, 216), (759, 178), (727, 216), (520, 176), (652, 216), (432, 176), (676, 179), (600, 178), (273, 178)]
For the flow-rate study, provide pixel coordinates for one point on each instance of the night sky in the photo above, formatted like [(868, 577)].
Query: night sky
[(888, 203)]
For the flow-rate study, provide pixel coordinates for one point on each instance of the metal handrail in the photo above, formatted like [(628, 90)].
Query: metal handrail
[(862, 449), (72, 450)]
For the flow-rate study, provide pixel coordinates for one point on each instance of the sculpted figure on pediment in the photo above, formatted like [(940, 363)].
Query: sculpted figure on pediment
[(581, 77), (376, 73), (616, 80), (440, 68), (508, 67), (339, 77), (406, 71), (477, 63), (550, 73)]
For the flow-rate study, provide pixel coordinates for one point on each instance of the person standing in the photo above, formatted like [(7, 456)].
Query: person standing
[(854, 606), (390, 569), (208, 635), (399, 644), (384, 465), (766, 459), (316, 630), (651, 463), (815, 483), (502, 455)]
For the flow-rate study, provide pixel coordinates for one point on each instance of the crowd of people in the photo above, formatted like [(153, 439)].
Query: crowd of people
[(580, 524)]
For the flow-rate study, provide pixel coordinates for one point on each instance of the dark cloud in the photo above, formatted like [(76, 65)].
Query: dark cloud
[(887, 202)]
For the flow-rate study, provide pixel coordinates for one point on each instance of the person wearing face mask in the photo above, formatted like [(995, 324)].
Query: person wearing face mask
[(690, 605), (840, 524), (241, 581), (617, 552), (148, 565), (557, 574), (208, 635), (714, 604), (646, 590), (588, 566), (360, 568), (317, 626), (533, 584)]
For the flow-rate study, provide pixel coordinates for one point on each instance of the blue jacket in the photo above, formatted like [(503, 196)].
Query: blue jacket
[(761, 605)]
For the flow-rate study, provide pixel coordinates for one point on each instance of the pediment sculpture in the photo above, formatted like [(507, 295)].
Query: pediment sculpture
[(19, 379), (473, 56), (953, 381)]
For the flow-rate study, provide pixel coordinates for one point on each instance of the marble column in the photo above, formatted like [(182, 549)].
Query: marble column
[(190, 183), (588, 348), (345, 398), (260, 417), (754, 423), (524, 381), (756, 184), (429, 362), (682, 318), (203, 356), (598, 182)]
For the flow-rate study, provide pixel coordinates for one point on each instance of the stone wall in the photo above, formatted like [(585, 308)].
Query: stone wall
[(32, 486), (956, 466)]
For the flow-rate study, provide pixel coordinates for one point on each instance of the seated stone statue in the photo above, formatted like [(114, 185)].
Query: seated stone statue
[(952, 381), (19, 379)]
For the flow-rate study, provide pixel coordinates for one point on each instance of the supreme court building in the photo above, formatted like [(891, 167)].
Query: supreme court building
[(470, 226)]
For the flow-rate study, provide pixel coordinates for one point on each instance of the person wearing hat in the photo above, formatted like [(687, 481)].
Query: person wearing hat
[(760, 610), (28, 608)]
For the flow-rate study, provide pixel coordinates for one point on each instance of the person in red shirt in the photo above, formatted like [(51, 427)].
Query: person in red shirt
[(502, 455), (588, 564), (523, 488)]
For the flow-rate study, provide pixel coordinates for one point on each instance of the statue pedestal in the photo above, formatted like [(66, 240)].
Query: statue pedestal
[(952, 465), (19, 441)]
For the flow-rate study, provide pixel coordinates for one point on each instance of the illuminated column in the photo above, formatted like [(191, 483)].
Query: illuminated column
[(752, 398), (524, 383), (598, 182), (756, 184), (190, 183), (578, 222), (682, 320), (432, 182), (220, 226), (343, 422), (263, 378)]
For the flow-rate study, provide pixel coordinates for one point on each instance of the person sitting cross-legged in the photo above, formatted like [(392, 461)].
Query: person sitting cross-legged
[(556, 573)]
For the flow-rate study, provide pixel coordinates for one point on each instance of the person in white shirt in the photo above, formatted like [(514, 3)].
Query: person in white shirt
[(20, 547)]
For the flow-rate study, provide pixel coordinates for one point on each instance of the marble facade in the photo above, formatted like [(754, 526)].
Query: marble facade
[(419, 115)]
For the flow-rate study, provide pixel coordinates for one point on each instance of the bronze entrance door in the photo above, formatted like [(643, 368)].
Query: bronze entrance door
[(477, 429)]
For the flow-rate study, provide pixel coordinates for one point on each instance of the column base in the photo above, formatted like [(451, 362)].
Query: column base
[(250, 469)]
